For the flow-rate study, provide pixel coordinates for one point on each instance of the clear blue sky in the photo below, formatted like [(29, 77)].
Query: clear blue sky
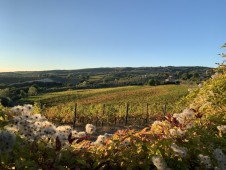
[(74, 34)]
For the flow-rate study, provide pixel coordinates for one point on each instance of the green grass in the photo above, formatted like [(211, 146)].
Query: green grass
[(111, 95), (96, 77)]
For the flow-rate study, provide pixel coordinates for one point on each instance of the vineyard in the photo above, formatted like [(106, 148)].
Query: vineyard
[(111, 95), (191, 134), (129, 105)]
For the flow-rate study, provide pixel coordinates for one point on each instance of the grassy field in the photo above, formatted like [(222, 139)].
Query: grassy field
[(111, 95)]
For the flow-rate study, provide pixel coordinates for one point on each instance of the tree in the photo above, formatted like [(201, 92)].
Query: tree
[(186, 76), (151, 82), (23, 93), (4, 92), (32, 91)]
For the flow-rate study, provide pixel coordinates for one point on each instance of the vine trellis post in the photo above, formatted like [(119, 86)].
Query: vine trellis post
[(127, 113), (75, 114)]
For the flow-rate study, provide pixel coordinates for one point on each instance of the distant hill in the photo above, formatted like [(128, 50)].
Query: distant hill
[(104, 75), (16, 85)]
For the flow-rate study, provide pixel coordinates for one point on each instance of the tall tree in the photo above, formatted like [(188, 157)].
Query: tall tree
[(32, 91)]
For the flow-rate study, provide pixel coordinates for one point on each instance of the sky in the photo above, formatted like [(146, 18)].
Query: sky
[(75, 34)]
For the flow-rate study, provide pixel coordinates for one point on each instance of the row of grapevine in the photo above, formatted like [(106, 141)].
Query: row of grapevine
[(141, 113)]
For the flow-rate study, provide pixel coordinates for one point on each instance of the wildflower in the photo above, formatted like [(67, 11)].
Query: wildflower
[(180, 132), (189, 125), (63, 138), (36, 117), (159, 127), (188, 113), (38, 124), (177, 132), (126, 142), (205, 160), (47, 124), (173, 132), (179, 118), (157, 123), (49, 131), (17, 109), (222, 128), (74, 134), (100, 140), (159, 163), (215, 75), (220, 157), (64, 129), (190, 90), (28, 107), (16, 120), (90, 129), (7, 141), (185, 117), (11, 128), (81, 134), (200, 85), (179, 151)]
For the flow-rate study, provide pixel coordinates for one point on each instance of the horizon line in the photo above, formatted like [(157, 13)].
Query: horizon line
[(11, 71)]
